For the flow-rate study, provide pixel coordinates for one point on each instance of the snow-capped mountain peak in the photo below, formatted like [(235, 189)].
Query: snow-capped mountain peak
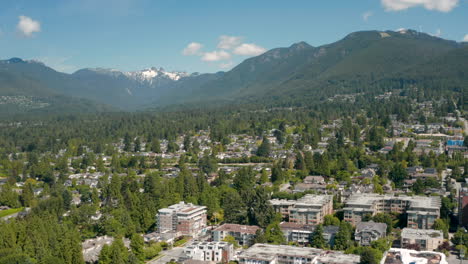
[(147, 75)]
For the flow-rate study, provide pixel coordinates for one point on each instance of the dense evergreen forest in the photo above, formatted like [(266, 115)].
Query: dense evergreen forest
[(42, 150)]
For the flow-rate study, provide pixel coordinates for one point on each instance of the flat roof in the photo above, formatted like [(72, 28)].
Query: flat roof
[(412, 233), (269, 252), (238, 228), (307, 200), (181, 208), (368, 199)]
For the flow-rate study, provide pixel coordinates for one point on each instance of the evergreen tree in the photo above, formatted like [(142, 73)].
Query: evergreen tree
[(105, 255), (277, 174), (274, 235), (118, 252), (265, 148), (331, 220), (343, 237), (137, 144), (156, 146), (370, 255), (187, 143), (398, 174), (137, 246), (316, 239), (127, 142)]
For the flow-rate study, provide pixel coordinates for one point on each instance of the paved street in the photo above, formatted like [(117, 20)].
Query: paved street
[(174, 253), (454, 259)]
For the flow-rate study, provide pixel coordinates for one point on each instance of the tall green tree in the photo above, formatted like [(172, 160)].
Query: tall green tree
[(137, 245), (265, 148), (316, 239)]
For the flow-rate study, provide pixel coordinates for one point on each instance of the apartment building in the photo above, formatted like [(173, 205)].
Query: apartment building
[(281, 254), (422, 211), (185, 219), (219, 252), (426, 239), (308, 210), (243, 234), (301, 234)]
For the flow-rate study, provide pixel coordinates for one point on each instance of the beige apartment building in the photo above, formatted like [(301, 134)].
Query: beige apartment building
[(184, 219), (308, 210)]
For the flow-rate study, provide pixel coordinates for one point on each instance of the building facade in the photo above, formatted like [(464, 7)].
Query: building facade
[(210, 251), (308, 210), (422, 211), (243, 234), (366, 232), (185, 219), (426, 239), (281, 254), (301, 234)]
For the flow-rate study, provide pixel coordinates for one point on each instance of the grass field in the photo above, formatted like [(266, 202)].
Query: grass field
[(10, 211)]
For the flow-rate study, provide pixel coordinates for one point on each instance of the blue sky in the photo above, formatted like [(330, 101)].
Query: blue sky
[(135, 34)]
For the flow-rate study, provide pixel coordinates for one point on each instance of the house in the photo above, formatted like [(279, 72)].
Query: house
[(91, 248), (302, 187), (425, 239), (243, 234), (366, 232), (367, 173), (314, 180), (423, 174)]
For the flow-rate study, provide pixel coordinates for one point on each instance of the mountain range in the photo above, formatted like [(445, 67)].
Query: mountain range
[(366, 61)]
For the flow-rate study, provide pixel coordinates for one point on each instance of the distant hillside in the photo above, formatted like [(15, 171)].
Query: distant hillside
[(359, 62), (27, 86), (368, 62)]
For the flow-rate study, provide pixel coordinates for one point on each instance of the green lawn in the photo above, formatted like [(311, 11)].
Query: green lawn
[(181, 242), (10, 211)]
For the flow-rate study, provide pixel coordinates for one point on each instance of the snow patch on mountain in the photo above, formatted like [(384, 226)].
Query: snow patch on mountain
[(148, 75)]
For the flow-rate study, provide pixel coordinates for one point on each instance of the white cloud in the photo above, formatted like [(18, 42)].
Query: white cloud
[(226, 65), (367, 15), (229, 42), (438, 5), (249, 49), (216, 56), (192, 49), (465, 39), (27, 26)]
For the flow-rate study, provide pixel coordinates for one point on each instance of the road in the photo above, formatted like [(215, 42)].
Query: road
[(176, 253), (455, 259), (168, 255)]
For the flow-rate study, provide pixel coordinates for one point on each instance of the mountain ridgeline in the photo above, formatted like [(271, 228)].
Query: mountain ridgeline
[(369, 62)]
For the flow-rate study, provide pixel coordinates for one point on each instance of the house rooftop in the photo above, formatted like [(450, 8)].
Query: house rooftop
[(371, 225)]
